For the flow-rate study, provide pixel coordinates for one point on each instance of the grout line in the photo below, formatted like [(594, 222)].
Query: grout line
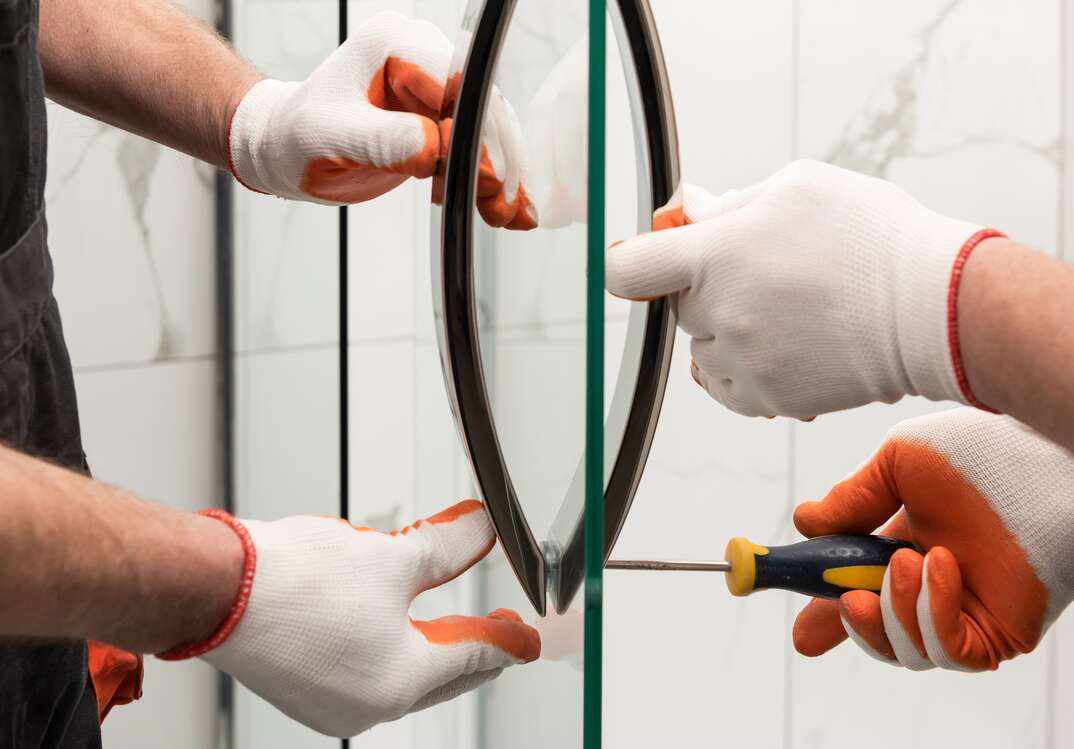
[(243, 354), (266, 350), (325, 345), (134, 364)]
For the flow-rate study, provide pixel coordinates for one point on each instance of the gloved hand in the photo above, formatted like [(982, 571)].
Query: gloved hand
[(321, 628), (816, 290), (367, 119), (992, 504)]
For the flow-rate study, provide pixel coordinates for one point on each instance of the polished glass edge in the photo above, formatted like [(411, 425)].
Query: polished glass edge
[(593, 520)]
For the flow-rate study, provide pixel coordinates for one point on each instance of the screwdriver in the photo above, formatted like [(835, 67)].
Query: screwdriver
[(822, 567)]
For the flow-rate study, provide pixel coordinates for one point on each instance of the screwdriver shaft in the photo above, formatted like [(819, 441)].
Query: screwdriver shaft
[(655, 566)]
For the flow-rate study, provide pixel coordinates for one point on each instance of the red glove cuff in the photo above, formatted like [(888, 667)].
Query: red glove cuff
[(952, 314), (238, 608)]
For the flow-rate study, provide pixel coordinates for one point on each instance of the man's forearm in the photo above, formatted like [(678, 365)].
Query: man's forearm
[(144, 66), (82, 559), (1016, 335)]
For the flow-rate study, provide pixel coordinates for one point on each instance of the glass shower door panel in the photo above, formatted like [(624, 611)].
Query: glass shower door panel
[(285, 323)]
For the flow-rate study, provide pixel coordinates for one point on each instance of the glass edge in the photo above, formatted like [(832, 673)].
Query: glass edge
[(594, 443)]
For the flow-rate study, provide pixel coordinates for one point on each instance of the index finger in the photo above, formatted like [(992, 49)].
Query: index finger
[(858, 504)]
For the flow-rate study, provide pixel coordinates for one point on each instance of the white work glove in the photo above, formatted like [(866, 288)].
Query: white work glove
[(322, 629), (367, 119), (816, 290), (990, 504)]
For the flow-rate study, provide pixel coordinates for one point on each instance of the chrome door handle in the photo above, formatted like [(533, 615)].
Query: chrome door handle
[(556, 566)]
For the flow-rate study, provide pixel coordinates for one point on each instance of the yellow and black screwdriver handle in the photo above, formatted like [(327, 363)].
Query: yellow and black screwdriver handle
[(823, 567)]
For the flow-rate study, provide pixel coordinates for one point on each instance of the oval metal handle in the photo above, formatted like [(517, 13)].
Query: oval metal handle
[(559, 566)]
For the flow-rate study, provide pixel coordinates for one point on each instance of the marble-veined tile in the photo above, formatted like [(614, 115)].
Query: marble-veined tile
[(730, 71), (131, 233), (955, 101), (132, 238)]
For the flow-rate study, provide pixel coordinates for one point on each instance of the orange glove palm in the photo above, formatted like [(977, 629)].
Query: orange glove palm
[(991, 503)]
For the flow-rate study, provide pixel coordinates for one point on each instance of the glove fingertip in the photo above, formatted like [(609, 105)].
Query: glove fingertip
[(806, 520), (817, 628), (649, 266), (669, 218), (525, 212), (518, 641), (509, 615), (424, 162), (859, 610), (860, 628)]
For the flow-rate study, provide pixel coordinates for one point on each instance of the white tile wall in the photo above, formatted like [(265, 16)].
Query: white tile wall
[(131, 231), (684, 660), (941, 96), (957, 102)]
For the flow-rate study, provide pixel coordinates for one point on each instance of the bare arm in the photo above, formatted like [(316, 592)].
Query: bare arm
[(147, 67), (1016, 331), (82, 559)]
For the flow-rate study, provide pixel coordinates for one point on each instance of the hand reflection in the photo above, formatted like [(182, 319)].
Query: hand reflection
[(557, 137), (562, 636)]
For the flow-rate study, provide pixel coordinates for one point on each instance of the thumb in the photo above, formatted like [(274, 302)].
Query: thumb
[(858, 504), (369, 137), (372, 151), (396, 142), (448, 543), (655, 264), (662, 262)]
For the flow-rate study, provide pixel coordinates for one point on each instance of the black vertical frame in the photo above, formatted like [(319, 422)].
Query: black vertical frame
[(344, 338), (225, 368)]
